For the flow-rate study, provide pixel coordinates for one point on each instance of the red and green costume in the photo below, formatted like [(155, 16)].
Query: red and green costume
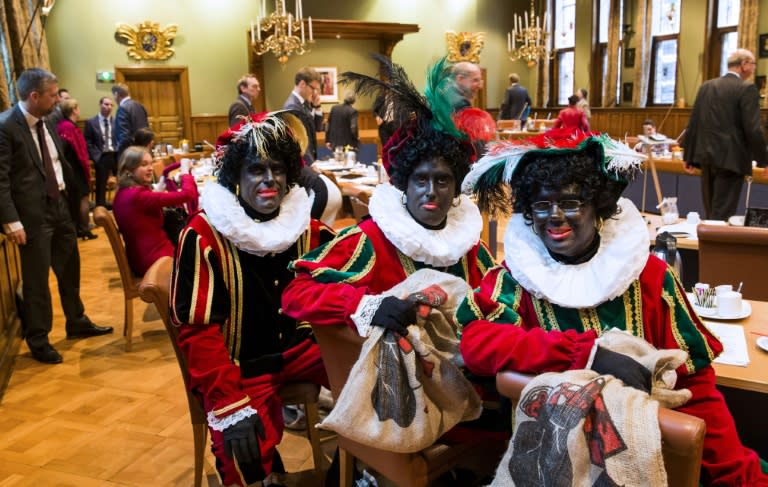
[(238, 345), (537, 315)]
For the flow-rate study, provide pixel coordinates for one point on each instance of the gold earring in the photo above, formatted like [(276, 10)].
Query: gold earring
[(237, 190), (599, 225)]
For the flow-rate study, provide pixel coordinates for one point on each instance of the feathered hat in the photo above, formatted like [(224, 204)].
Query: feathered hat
[(506, 159), (257, 128), (415, 114)]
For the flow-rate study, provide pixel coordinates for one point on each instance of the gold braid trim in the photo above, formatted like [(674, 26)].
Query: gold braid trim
[(234, 405), (676, 331)]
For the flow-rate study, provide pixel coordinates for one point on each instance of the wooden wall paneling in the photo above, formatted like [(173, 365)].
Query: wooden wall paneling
[(10, 325), (208, 126), (164, 92)]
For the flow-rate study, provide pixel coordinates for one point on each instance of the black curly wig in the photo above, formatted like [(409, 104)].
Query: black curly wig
[(553, 170), (284, 149), (426, 146)]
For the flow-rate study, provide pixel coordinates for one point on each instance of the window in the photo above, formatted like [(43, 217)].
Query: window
[(665, 29), (725, 34), (564, 41), (601, 65)]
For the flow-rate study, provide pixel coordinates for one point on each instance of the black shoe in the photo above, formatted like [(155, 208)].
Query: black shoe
[(86, 328), (46, 354), (86, 235)]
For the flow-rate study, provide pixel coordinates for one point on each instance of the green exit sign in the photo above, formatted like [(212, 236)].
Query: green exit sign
[(105, 76)]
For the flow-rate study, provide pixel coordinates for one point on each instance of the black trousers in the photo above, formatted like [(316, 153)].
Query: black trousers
[(104, 167), (53, 245), (720, 190)]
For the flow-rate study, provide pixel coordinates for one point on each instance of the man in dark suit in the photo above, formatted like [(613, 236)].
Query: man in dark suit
[(724, 135), (102, 144), (34, 178), (304, 101), (248, 90), (517, 102), (131, 116), (342, 124)]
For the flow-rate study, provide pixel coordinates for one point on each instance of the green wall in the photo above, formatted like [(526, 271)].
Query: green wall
[(212, 42)]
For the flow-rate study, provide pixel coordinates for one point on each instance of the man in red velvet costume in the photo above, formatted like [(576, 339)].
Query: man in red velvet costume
[(231, 269)]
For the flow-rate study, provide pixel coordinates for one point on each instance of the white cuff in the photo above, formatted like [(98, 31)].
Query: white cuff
[(12, 227), (220, 424), (363, 315)]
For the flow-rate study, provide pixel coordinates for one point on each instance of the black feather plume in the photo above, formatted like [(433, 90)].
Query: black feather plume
[(404, 100)]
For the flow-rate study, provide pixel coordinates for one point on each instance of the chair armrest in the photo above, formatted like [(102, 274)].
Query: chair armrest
[(732, 235), (156, 283)]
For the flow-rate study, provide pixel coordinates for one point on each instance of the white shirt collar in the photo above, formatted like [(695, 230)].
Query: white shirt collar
[(619, 261), (31, 119), (437, 248), (228, 217), (297, 95), (122, 102)]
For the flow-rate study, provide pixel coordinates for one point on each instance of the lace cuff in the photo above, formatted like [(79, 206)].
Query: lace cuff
[(363, 315), (220, 424)]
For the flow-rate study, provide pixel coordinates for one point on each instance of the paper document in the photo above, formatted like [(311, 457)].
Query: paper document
[(734, 343)]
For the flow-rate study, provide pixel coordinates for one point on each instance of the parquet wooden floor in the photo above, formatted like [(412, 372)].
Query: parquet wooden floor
[(106, 417)]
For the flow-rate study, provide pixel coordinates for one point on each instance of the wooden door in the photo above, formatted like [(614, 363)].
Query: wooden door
[(164, 92)]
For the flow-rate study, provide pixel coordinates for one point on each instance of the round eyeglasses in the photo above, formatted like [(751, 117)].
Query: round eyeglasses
[(544, 208)]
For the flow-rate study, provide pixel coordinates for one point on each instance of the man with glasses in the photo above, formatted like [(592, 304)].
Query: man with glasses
[(304, 101), (725, 135)]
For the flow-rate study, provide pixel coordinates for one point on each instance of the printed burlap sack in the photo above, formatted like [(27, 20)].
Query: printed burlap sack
[(403, 393), (661, 363), (578, 428)]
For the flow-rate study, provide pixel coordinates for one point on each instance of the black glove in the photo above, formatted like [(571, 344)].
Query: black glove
[(622, 367), (240, 439), (395, 314)]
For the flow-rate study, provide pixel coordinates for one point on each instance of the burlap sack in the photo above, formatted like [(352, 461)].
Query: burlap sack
[(404, 393), (577, 428), (661, 364)]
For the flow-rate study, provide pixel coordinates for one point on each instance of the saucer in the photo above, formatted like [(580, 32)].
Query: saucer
[(712, 313), (762, 342)]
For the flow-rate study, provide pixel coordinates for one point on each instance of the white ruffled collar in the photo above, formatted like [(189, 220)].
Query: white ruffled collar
[(437, 248), (228, 217), (619, 260)]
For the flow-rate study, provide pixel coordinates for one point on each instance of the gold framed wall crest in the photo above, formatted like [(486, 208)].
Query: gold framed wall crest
[(464, 46), (147, 40)]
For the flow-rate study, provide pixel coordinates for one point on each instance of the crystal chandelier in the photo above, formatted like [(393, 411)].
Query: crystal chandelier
[(529, 38), (281, 33)]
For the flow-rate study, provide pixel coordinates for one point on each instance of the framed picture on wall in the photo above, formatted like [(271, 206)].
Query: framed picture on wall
[(629, 58), (329, 90), (763, 45), (626, 92)]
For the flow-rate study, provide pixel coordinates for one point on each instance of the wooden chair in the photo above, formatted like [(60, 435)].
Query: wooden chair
[(155, 288), (130, 281), (730, 255), (359, 204), (682, 435), (340, 348)]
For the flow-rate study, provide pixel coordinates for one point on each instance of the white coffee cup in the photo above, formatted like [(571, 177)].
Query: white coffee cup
[(729, 304), (693, 218), (722, 289)]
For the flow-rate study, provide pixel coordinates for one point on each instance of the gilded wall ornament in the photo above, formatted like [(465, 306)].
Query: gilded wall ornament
[(147, 40), (464, 46)]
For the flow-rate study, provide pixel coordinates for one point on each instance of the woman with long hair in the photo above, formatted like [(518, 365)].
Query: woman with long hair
[(138, 209)]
